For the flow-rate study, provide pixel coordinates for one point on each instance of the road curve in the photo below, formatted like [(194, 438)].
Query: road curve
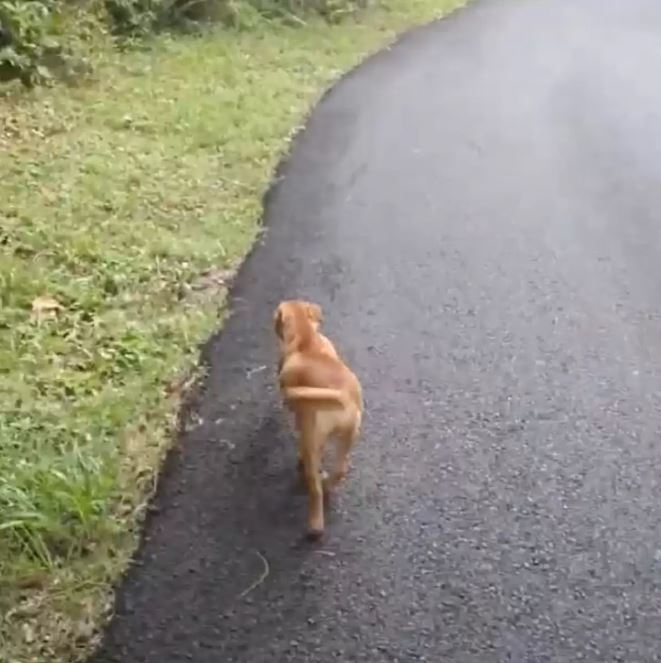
[(478, 211)]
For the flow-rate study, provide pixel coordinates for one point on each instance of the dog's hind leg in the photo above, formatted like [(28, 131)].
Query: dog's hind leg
[(311, 450), (300, 465), (345, 442)]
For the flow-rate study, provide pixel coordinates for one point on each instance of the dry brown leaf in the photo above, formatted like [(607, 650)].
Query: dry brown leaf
[(45, 307)]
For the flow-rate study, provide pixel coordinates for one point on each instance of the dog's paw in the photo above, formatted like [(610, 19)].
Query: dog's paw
[(314, 534)]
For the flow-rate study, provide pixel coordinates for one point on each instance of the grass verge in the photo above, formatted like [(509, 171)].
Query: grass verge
[(118, 197)]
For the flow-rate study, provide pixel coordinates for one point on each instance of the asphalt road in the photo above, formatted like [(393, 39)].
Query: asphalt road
[(478, 210)]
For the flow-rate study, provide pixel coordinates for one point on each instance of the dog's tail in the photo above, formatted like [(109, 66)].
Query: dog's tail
[(317, 394)]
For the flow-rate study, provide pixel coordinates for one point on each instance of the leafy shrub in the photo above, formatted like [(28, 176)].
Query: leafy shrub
[(139, 17), (232, 11), (24, 39), (134, 17), (333, 10), (29, 52)]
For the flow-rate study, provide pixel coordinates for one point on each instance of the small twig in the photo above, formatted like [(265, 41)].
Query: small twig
[(297, 19), (260, 580), (257, 369), (239, 183), (327, 553)]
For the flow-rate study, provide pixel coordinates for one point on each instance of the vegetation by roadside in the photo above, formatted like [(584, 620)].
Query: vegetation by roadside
[(126, 203)]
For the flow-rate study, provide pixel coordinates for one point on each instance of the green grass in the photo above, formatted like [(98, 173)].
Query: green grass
[(117, 196)]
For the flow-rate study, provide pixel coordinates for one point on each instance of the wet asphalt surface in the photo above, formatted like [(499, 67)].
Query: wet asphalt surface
[(478, 210)]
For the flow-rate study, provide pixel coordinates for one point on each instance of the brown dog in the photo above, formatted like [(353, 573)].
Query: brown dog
[(324, 395)]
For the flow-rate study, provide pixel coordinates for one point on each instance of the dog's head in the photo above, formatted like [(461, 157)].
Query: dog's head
[(295, 321)]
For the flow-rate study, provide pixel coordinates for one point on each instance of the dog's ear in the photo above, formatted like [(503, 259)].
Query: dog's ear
[(314, 312), (278, 322)]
